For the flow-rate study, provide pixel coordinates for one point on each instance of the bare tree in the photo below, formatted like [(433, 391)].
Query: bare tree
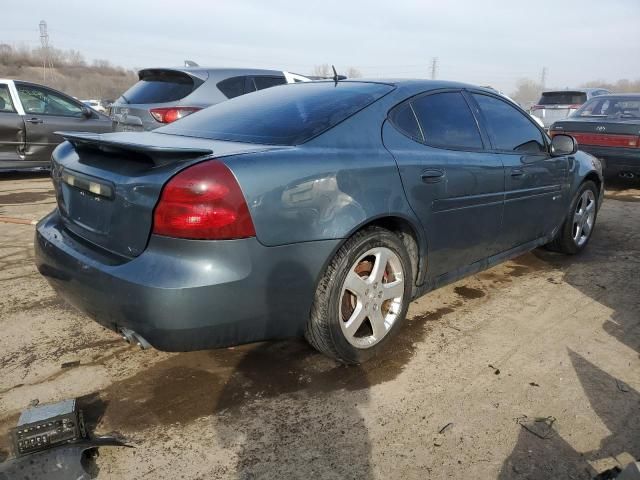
[(323, 70), (353, 72), (527, 91)]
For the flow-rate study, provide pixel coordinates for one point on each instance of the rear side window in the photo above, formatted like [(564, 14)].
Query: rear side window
[(280, 116), (160, 86), (447, 121), (232, 87), (508, 128), (405, 120), (266, 82), (6, 105), (563, 98)]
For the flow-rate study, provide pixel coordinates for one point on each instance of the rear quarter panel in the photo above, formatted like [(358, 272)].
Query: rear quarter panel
[(326, 188)]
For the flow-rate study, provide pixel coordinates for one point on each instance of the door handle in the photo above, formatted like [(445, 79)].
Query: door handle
[(517, 172), (432, 175), (34, 120)]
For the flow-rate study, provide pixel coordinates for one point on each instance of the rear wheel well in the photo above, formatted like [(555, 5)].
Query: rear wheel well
[(407, 233)]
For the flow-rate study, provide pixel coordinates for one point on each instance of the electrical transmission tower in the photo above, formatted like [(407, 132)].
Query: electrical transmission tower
[(543, 76), (44, 42), (434, 68)]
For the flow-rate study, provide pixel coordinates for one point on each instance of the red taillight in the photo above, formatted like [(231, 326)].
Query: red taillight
[(171, 114), (606, 139), (203, 202)]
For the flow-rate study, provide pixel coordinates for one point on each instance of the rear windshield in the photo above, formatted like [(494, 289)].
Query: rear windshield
[(563, 98), (611, 107), (284, 115), (160, 86)]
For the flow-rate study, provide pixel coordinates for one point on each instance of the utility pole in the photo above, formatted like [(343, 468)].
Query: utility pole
[(543, 76), (434, 68), (44, 42)]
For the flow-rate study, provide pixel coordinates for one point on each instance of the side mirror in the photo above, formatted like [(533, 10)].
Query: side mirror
[(563, 145), (86, 112)]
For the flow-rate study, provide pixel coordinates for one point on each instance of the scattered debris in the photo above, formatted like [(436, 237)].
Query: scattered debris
[(496, 371), (437, 442), (34, 402), (445, 428), (541, 427), (623, 387), (50, 442), (71, 364), (534, 384)]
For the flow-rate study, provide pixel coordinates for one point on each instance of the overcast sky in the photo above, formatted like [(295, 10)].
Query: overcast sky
[(491, 42)]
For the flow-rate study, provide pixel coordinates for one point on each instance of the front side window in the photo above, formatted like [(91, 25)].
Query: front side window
[(447, 121), (508, 128), (6, 105), (41, 101)]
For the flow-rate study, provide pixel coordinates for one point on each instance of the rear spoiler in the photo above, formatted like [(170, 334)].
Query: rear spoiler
[(157, 148)]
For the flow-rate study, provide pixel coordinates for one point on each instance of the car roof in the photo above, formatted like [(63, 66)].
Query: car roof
[(583, 90), (609, 95), (205, 72)]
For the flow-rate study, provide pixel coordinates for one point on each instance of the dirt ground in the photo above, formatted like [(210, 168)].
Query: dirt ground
[(542, 336)]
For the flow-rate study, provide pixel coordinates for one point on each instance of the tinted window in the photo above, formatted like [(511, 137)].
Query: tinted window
[(266, 82), (614, 107), (563, 98), (447, 121), (160, 86), (6, 105), (286, 115), (508, 128), (405, 120), (232, 87), (41, 101)]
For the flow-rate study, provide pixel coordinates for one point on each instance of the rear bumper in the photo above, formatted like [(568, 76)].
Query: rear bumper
[(183, 295), (616, 160)]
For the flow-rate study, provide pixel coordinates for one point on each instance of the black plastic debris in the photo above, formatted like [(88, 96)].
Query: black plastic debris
[(51, 442), (71, 461)]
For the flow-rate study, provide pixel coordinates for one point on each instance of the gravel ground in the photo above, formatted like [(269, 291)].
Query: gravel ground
[(540, 336)]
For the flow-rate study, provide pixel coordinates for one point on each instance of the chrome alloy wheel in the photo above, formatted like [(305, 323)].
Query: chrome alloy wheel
[(584, 218), (372, 296)]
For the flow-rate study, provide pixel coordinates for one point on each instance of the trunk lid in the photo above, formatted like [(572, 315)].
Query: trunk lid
[(107, 185), (600, 131)]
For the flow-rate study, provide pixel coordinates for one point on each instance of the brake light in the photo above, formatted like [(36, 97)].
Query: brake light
[(171, 114), (203, 202), (606, 139)]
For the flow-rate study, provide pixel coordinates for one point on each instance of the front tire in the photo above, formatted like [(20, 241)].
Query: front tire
[(362, 299), (576, 231)]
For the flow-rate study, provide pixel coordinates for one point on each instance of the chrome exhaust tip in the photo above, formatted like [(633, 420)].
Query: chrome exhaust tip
[(134, 338), (628, 175)]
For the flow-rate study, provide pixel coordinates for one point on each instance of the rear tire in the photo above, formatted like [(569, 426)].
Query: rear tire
[(577, 229), (362, 299)]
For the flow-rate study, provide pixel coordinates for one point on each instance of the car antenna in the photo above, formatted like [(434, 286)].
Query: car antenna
[(335, 74)]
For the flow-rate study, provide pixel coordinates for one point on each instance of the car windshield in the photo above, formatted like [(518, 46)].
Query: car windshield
[(562, 98), (283, 115), (610, 107)]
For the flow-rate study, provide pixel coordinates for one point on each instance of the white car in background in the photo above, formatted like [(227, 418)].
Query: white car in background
[(96, 105)]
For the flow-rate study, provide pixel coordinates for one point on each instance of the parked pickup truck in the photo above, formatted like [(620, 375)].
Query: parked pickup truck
[(29, 116)]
